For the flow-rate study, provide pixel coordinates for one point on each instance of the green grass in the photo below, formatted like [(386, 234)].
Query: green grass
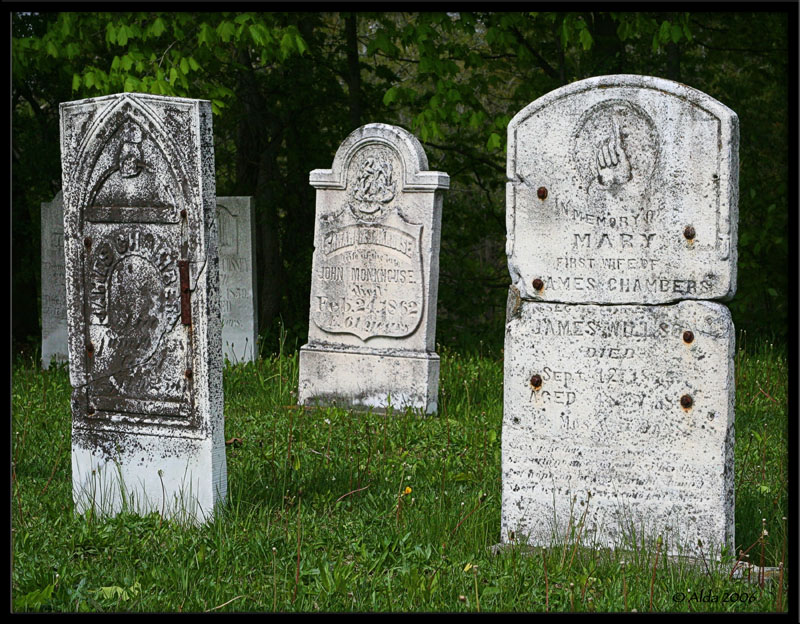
[(317, 517)]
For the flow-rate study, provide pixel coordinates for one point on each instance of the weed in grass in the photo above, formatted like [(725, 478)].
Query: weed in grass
[(624, 587), (655, 565), (546, 584)]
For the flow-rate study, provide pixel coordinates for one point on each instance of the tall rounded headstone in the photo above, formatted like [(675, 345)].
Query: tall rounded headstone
[(375, 275), (142, 283), (619, 387)]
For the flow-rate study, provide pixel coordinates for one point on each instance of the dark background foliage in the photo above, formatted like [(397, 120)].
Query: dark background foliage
[(287, 88)]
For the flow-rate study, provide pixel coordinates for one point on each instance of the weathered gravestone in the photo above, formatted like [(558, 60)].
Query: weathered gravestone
[(236, 273), (54, 302), (619, 418), (142, 283), (374, 285)]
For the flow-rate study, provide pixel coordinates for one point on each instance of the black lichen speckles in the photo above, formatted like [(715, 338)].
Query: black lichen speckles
[(109, 445), (138, 172)]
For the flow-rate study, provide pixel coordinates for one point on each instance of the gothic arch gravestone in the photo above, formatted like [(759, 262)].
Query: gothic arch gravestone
[(143, 305)]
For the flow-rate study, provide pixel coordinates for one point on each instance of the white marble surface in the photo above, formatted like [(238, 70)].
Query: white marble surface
[(605, 175), (237, 273), (375, 274), (146, 370), (607, 418)]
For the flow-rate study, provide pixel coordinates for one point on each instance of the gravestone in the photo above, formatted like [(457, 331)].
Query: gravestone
[(142, 284), (237, 275), (54, 302), (619, 386), (375, 274)]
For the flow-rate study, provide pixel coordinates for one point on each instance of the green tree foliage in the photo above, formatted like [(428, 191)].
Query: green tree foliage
[(466, 75), (287, 88)]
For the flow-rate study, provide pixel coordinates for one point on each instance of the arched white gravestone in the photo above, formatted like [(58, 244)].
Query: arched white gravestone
[(142, 282), (374, 285), (622, 192)]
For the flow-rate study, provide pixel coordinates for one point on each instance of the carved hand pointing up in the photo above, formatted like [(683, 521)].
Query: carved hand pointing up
[(613, 167)]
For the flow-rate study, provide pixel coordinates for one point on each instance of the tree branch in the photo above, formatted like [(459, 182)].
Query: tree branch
[(449, 148), (752, 50), (548, 69), (26, 93)]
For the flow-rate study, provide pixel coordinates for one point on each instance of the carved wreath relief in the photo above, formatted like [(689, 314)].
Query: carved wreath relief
[(368, 266), (373, 183), (137, 350)]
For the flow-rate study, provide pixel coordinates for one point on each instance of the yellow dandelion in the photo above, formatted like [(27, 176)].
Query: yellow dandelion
[(407, 490)]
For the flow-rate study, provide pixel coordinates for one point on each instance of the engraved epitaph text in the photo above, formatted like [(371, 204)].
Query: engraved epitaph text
[(238, 295), (136, 351), (627, 170), (236, 272), (368, 278)]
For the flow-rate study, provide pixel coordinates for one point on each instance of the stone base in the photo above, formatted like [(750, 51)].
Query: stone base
[(350, 378), (181, 478)]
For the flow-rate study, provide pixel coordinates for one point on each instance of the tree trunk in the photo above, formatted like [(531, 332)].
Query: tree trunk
[(270, 277), (256, 172), (609, 50), (673, 61), (353, 70)]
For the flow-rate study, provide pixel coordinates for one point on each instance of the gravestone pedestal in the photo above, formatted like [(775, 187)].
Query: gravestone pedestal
[(142, 284), (619, 387), (377, 380), (374, 285)]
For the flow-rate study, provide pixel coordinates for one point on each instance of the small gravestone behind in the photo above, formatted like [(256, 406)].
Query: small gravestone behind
[(237, 275), (54, 302), (619, 387), (142, 284), (375, 274)]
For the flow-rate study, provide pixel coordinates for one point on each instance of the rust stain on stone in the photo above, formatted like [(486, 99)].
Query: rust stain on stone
[(186, 304)]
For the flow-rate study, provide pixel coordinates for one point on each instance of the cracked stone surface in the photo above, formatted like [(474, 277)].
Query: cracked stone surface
[(618, 416), (144, 335), (372, 330)]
